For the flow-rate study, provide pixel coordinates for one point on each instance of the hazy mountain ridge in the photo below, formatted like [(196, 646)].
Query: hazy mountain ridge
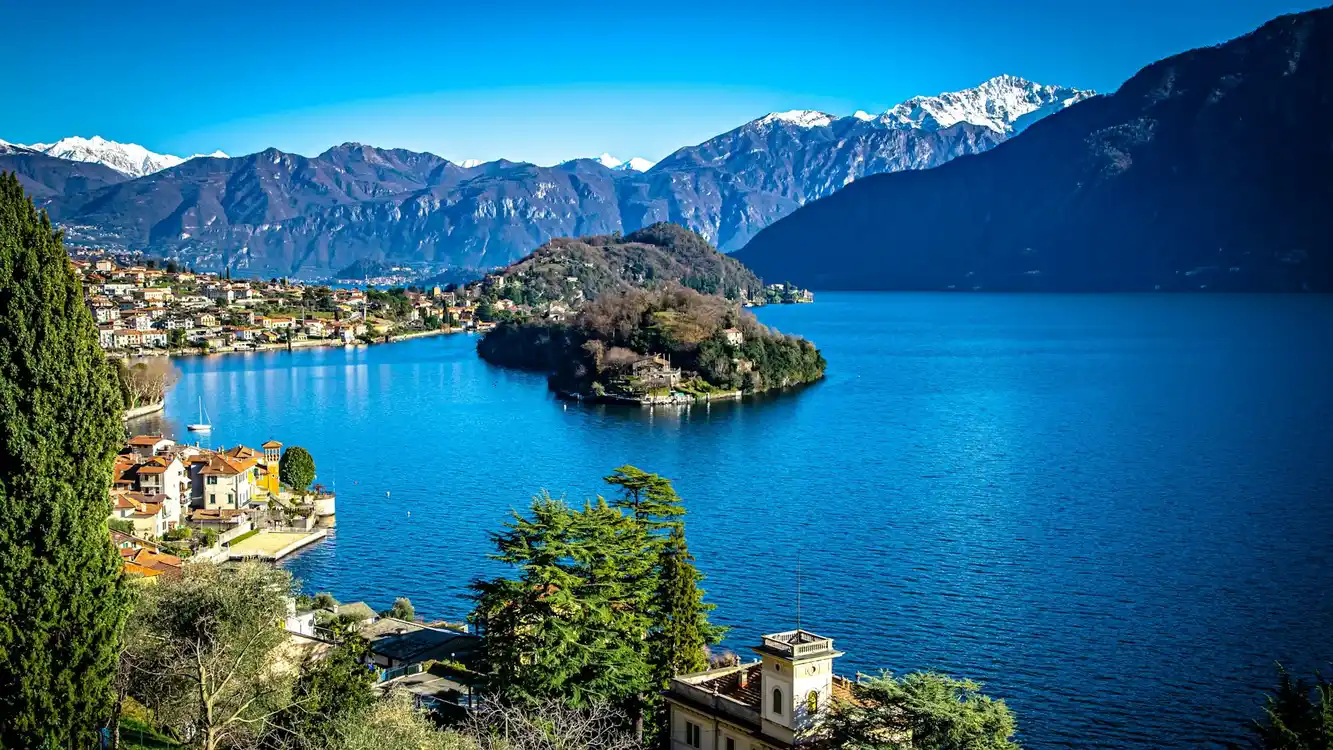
[(1202, 172)]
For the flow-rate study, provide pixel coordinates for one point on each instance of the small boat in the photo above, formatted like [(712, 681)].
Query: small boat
[(202, 425)]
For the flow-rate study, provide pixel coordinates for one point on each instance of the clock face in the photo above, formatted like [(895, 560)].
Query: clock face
[(812, 669)]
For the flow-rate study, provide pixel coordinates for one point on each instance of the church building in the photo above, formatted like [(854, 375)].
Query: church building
[(769, 704)]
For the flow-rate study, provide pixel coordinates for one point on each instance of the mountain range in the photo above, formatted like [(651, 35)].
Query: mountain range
[(276, 213), (129, 159), (1209, 170)]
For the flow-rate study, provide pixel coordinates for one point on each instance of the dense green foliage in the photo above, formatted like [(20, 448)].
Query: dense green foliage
[(590, 354), (649, 499), (601, 591), (296, 468), (328, 691), (62, 605), (402, 609), (573, 270), (572, 624), (204, 645), (683, 632), (1298, 716), (920, 711)]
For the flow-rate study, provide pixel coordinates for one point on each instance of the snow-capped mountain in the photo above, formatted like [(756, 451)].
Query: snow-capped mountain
[(1005, 104), (635, 164), (129, 159), (470, 163), (321, 213), (801, 118)]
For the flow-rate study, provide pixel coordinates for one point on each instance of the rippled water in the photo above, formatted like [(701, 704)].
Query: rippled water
[(1113, 510)]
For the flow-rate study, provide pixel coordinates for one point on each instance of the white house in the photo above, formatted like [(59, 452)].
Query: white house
[(769, 704)]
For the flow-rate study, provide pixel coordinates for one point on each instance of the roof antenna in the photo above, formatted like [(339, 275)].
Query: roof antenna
[(798, 591)]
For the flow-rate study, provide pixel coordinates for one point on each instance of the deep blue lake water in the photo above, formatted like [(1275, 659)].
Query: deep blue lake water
[(1115, 511)]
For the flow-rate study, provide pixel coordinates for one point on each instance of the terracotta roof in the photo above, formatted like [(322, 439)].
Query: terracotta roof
[(242, 452), (146, 440), (220, 465), (142, 570), (215, 514), (729, 685), (271, 444), (155, 560)]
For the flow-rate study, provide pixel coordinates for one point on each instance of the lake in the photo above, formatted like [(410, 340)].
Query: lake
[(1112, 510)]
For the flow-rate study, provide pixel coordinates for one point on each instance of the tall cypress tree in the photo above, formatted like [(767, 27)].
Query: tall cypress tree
[(682, 629), (62, 604)]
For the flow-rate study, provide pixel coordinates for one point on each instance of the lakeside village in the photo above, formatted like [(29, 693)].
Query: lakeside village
[(155, 307), (179, 505), (158, 308)]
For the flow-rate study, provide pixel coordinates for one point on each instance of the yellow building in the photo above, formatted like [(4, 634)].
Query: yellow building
[(272, 455)]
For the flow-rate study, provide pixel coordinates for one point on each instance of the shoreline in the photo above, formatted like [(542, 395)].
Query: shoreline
[(145, 410), (306, 344)]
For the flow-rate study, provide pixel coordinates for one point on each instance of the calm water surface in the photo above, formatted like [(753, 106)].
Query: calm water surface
[(1113, 510)]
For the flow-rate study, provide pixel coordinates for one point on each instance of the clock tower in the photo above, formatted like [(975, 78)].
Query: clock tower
[(796, 682)]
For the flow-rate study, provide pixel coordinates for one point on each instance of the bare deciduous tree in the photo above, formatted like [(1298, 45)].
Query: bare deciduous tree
[(548, 726)]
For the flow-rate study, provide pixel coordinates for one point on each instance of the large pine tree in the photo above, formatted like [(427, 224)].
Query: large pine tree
[(649, 498), (572, 625), (61, 597)]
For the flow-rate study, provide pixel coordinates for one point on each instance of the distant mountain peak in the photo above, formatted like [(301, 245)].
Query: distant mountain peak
[(801, 118), (129, 159), (470, 163), (636, 164), (1005, 104)]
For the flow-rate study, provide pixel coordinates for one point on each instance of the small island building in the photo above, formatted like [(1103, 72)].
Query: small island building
[(769, 704)]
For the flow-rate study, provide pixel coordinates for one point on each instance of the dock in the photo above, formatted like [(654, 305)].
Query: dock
[(273, 545)]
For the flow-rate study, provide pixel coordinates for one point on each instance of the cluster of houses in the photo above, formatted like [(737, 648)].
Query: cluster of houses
[(787, 294), (159, 486), (142, 308)]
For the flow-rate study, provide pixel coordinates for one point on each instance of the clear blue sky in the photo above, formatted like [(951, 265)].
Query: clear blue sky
[(545, 81)]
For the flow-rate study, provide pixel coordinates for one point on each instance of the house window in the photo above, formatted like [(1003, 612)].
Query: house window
[(731, 744), (693, 734), (812, 702), (777, 701), (212, 480)]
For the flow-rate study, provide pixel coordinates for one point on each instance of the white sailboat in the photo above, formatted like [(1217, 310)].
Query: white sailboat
[(202, 425)]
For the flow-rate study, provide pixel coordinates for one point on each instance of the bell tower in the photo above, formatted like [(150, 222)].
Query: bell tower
[(797, 682), (272, 452)]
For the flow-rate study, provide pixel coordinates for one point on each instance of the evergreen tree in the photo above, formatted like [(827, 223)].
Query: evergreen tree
[(682, 632), (1298, 716), (920, 711), (649, 498), (572, 626), (62, 604)]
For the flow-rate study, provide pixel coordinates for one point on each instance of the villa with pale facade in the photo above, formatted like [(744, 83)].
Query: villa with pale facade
[(769, 704)]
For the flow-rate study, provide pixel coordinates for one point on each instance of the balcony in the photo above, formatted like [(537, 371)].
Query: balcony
[(798, 644)]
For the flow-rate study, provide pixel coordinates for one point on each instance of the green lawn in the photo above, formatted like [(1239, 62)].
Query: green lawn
[(243, 537), (137, 735)]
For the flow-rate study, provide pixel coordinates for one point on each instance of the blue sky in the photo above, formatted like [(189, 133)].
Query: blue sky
[(546, 81)]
